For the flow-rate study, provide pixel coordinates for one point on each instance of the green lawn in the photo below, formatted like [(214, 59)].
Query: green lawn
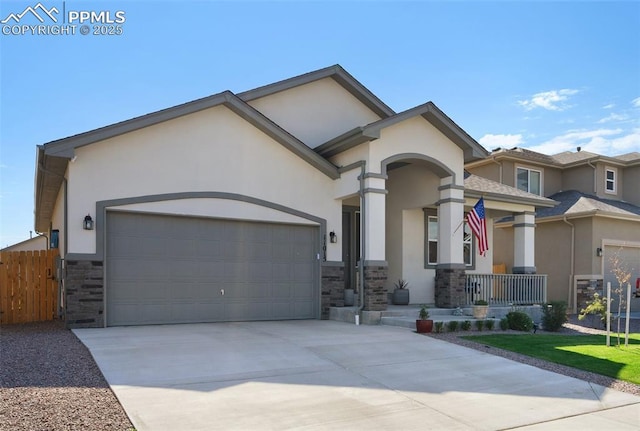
[(586, 352)]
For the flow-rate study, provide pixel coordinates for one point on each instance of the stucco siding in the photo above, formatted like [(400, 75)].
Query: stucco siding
[(579, 178), (315, 112), (552, 181), (503, 247), (631, 185), (553, 257), (417, 136), (211, 150), (411, 188), (490, 171)]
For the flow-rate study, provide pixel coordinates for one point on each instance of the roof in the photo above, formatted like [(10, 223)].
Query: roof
[(475, 186), (429, 111), (335, 72), (560, 160), (569, 157), (574, 203), (629, 157), (53, 157)]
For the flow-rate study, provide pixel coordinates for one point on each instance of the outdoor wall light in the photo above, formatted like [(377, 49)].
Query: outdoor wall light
[(333, 237), (87, 224), (599, 252)]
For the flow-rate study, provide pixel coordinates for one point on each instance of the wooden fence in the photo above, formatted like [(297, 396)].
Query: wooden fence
[(28, 286)]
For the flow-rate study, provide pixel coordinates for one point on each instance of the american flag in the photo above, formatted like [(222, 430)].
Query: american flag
[(478, 224)]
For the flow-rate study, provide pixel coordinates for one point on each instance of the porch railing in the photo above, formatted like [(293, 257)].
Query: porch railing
[(506, 289)]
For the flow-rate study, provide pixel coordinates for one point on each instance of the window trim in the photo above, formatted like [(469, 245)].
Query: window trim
[(529, 170), (433, 213), (614, 181)]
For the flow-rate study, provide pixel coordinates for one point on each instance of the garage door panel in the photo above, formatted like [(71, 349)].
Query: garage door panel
[(209, 249), (128, 269), (302, 290), (167, 269), (135, 291), (302, 271)]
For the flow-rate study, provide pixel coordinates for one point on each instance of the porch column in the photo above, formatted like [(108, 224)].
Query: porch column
[(524, 234), (450, 272), (374, 231)]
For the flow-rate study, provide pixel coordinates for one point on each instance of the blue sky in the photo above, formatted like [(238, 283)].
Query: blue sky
[(549, 76)]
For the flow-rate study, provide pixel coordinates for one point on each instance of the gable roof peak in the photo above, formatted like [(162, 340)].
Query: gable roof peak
[(335, 72)]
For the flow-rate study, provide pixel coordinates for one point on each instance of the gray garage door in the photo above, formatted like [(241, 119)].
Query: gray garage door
[(165, 269)]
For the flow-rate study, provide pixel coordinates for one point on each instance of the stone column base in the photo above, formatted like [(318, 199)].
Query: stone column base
[(450, 284), (332, 287), (375, 293), (84, 294)]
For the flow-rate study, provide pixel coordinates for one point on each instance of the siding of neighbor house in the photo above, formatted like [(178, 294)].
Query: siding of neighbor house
[(579, 178), (552, 181), (553, 253), (631, 190)]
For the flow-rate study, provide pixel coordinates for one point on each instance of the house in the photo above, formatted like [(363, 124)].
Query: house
[(35, 243), (595, 224), (267, 204)]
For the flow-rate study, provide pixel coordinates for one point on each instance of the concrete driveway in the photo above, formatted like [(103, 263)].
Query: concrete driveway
[(317, 375)]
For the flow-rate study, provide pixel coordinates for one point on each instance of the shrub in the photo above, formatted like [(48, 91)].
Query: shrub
[(519, 321), (504, 323), (554, 315), (438, 326), (452, 326), (479, 325), (489, 324), (466, 325), (598, 306)]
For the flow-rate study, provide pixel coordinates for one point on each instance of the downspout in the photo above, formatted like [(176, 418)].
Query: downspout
[(363, 239), (573, 247), (595, 180)]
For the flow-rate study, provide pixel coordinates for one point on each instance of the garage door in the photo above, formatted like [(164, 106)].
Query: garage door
[(165, 269), (630, 258)]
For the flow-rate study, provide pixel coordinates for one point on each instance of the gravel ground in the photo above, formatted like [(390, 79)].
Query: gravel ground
[(49, 381), (573, 327)]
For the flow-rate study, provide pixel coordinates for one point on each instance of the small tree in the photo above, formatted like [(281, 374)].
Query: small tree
[(597, 306), (622, 273)]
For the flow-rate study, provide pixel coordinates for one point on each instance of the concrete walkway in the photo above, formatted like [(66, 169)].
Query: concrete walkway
[(318, 375)]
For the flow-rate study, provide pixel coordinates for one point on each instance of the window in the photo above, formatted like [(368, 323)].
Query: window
[(431, 246), (529, 180), (432, 240), (610, 180)]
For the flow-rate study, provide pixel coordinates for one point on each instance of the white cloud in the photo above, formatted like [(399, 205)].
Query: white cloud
[(490, 141), (553, 100), (636, 102), (609, 106), (608, 142), (613, 117)]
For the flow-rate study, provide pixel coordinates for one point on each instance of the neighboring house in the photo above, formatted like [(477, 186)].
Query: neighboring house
[(266, 205), (597, 219), (32, 244)]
